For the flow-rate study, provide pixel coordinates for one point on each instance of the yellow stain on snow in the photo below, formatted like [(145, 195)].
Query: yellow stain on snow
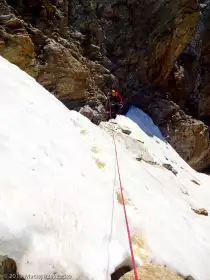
[(140, 248), (94, 150), (84, 132), (99, 163), (127, 200)]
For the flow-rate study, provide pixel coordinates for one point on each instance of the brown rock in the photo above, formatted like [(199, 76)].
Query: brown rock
[(16, 44), (201, 211), (190, 138), (46, 54), (191, 89), (69, 77), (152, 272), (171, 45)]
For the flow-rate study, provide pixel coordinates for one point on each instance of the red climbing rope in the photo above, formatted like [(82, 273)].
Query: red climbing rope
[(125, 214), (126, 218)]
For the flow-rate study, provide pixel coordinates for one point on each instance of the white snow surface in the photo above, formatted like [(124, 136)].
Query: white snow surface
[(59, 211)]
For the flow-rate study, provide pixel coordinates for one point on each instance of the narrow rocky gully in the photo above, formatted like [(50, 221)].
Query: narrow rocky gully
[(155, 53)]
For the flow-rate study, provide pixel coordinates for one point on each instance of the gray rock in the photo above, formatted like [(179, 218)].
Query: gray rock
[(189, 278), (126, 131), (170, 167)]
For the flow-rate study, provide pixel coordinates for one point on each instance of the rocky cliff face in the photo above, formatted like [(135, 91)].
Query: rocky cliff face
[(204, 97), (141, 38), (78, 50), (38, 41), (187, 86)]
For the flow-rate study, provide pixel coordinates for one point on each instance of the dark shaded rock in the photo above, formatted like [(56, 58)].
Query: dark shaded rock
[(141, 39), (120, 272), (170, 167), (8, 268), (189, 278), (195, 182), (95, 115), (126, 131), (204, 96)]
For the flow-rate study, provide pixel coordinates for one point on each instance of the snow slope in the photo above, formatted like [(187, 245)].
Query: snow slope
[(59, 203)]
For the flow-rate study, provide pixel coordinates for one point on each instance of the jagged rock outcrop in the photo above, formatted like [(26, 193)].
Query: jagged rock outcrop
[(15, 43), (188, 84), (141, 38), (185, 80), (50, 56)]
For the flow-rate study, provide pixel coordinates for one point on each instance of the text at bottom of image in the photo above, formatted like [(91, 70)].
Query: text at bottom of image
[(38, 276)]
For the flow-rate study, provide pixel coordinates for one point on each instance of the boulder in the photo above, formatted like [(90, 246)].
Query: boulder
[(152, 272), (201, 211)]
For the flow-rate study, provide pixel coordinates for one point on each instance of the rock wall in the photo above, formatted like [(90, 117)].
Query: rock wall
[(137, 41), (78, 50), (187, 86), (204, 98), (141, 38), (41, 45)]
